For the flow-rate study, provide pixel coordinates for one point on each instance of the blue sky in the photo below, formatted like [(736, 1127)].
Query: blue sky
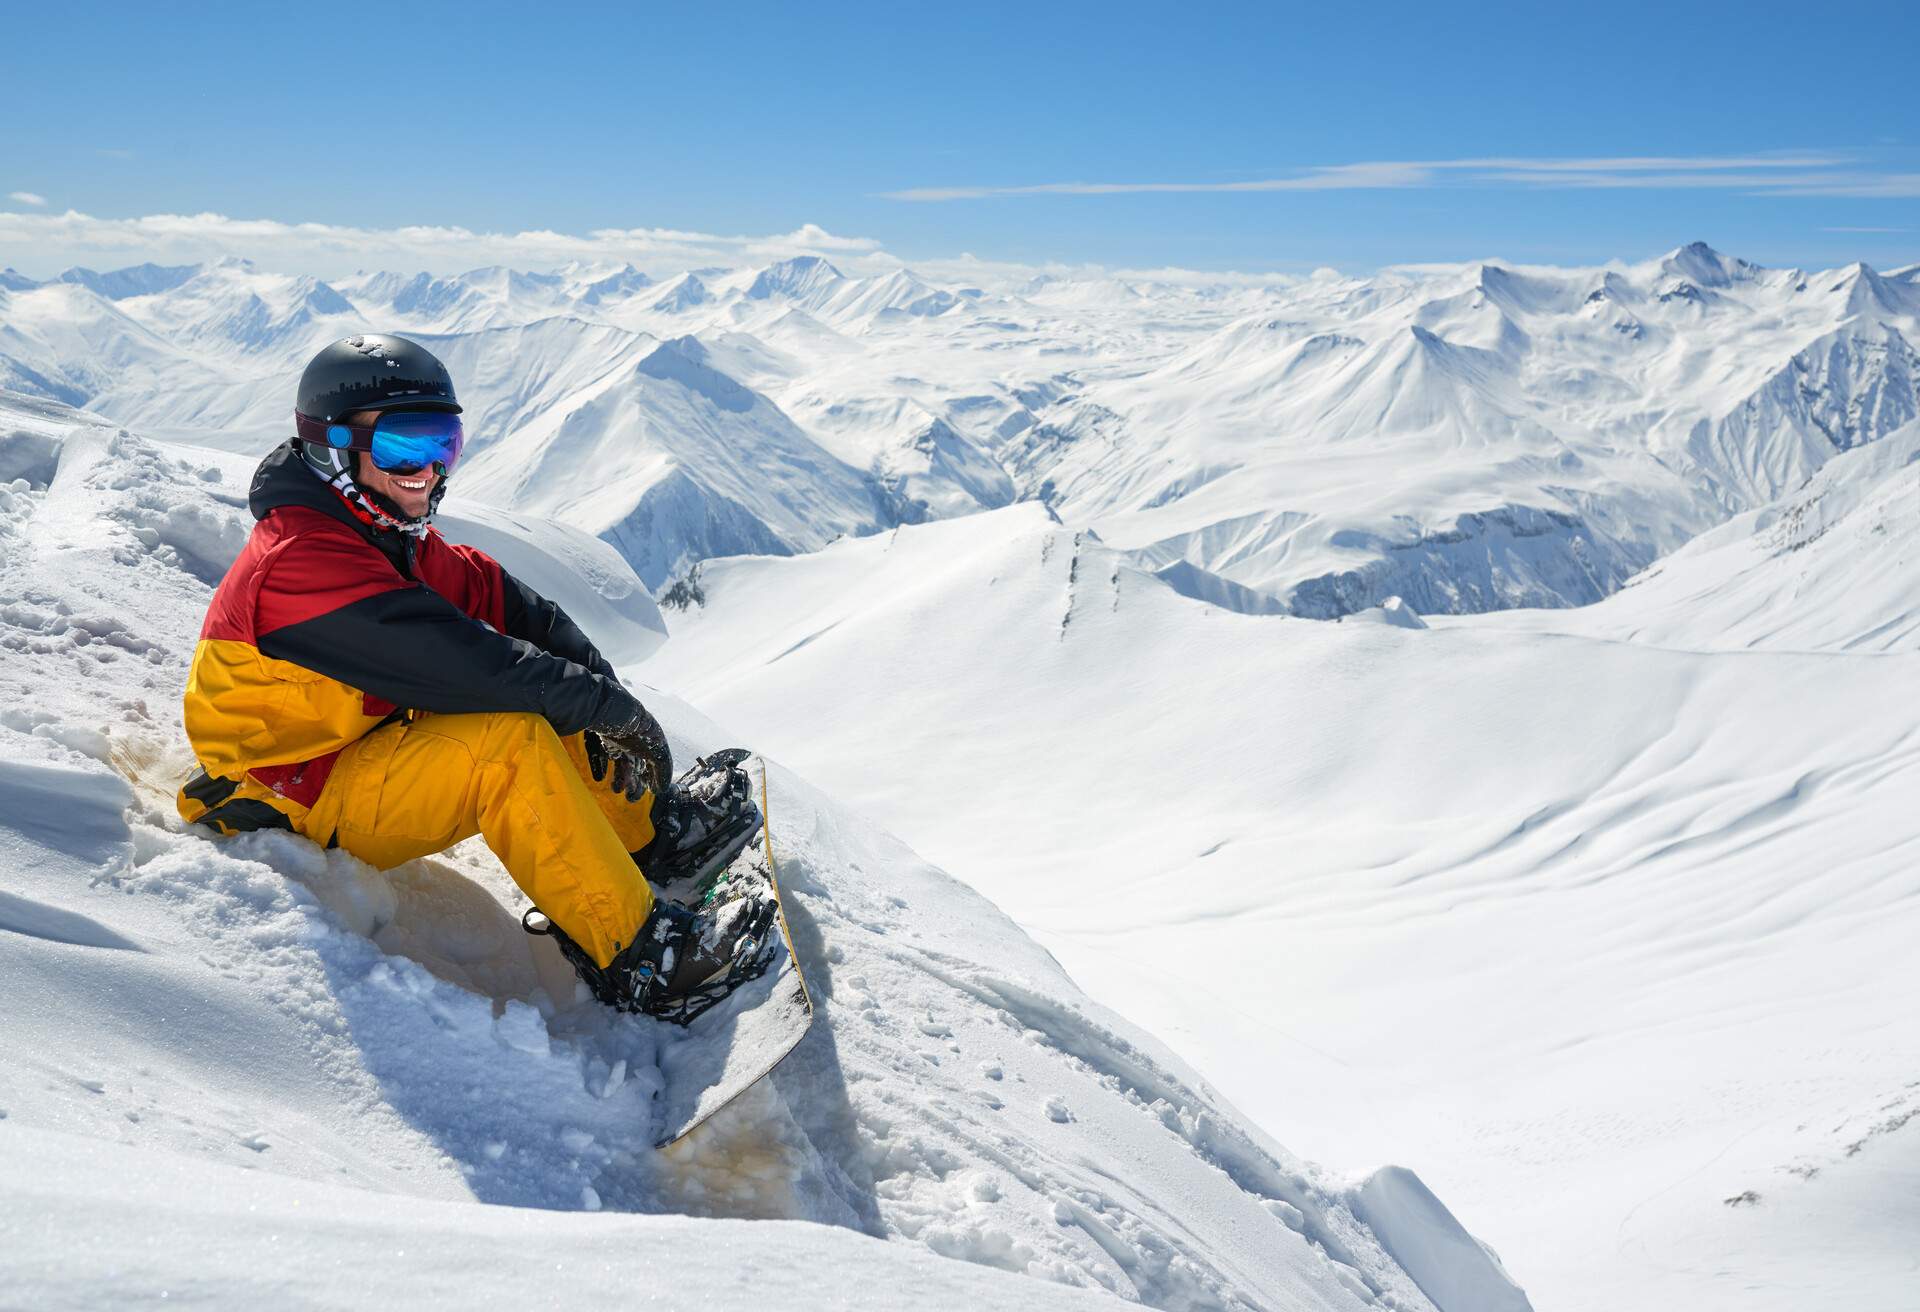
[(1378, 134)]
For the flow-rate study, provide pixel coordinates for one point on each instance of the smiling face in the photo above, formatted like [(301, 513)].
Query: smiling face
[(413, 493)]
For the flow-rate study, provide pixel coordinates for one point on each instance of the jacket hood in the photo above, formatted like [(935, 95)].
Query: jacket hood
[(284, 479)]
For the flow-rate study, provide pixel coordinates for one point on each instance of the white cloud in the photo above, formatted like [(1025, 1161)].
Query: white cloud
[(1805, 183), (1804, 173), (1339, 177), (1643, 163), (27, 197), (54, 240), (1880, 185), (968, 269), (48, 242)]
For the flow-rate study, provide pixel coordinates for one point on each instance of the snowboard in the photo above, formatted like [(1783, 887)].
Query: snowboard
[(732, 1046)]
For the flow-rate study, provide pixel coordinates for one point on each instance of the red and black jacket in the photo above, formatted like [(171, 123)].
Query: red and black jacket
[(327, 626)]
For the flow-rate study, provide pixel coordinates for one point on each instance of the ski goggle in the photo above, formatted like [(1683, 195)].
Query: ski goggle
[(399, 442)]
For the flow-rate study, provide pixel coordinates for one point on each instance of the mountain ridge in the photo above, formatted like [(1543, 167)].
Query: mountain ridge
[(1631, 406)]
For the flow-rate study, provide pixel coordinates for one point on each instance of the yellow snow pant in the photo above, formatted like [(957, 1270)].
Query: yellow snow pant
[(407, 790)]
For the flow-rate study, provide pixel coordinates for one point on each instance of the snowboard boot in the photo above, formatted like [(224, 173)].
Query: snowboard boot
[(682, 962), (702, 822)]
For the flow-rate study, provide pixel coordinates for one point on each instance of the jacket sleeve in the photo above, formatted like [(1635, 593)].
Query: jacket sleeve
[(542, 623), (338, 609)]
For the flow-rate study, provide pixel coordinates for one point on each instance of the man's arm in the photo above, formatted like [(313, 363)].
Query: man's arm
[(331, 605), (620, 743), (542, 623)]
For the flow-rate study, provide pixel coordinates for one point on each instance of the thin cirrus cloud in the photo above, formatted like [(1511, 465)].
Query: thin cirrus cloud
[(27, 197), (1796, 174)]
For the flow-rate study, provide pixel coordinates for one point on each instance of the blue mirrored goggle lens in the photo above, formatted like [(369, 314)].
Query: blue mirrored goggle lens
[(412, 440)]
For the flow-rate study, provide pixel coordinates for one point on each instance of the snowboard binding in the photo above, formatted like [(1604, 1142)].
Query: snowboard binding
[(701, 822), (712, 924), (683, 963)]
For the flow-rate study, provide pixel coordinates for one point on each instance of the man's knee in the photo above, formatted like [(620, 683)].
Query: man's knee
[(497, 736)]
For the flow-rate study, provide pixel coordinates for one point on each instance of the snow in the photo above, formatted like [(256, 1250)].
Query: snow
[(613, 605), (1393, 611), (236, 1068), (1450, 1265), (94, 1222), (1829, 567)]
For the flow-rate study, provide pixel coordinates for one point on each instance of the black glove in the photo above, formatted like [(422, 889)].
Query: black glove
[(628, 739)]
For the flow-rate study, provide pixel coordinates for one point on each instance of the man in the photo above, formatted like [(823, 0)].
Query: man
[(364, 682)]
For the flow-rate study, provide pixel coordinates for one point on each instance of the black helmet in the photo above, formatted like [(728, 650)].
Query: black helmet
[(374, 371)]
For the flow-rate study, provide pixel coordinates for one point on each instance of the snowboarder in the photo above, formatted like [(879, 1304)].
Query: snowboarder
[(364, 682)]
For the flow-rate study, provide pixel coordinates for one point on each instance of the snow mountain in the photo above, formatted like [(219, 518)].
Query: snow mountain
[(806, 280), (668, 438), (1469, 438)]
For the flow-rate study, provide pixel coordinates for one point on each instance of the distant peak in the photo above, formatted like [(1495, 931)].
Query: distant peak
[(795, 276), (1702, 264), (1870, 293), (683, 360), (134, 280), (686, 346), (622, 281), (323, 298), (686, 292)]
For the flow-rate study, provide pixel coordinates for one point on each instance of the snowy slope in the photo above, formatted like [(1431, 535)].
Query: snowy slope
[(1606, 935), (65, 342), (189, 1018), (94, 1223), (1831, 567)]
